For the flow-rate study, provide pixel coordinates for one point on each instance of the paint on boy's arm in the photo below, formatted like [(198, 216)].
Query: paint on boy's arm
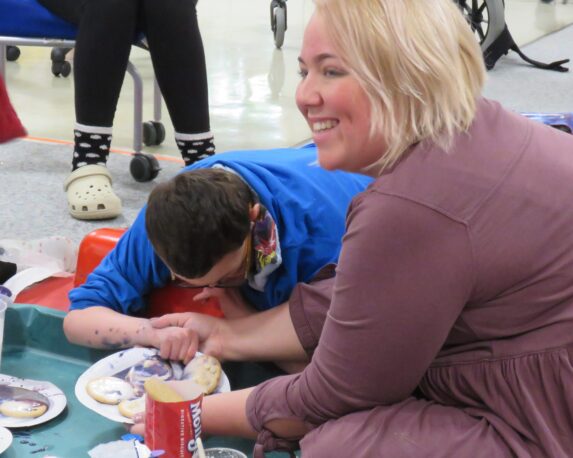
[(114, 345)]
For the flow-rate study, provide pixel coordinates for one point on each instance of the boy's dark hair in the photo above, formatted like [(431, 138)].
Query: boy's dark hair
[(196, 218)]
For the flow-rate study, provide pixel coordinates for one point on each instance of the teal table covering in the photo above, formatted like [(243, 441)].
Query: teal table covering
[(35, 348)]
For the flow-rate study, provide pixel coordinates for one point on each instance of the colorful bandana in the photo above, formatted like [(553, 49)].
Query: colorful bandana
[(266, 250), (265, 244)]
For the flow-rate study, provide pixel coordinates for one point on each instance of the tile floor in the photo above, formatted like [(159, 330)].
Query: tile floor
[(251, 84)]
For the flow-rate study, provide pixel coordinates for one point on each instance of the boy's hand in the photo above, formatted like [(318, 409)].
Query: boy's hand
[(204, 330), (175, 343)]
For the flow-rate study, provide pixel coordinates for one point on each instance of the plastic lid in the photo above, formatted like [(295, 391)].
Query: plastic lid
[(129, 437), (5, 291)]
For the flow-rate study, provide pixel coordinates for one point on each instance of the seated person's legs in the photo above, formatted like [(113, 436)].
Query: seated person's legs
[(106, 30), (176, 49), (410, 428)]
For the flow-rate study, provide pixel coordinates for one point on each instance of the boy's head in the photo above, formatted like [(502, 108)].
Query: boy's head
[(199, 218)]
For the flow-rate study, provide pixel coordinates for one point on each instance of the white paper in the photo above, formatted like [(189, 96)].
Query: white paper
[(120, 449), (28, 277), (37, 260)]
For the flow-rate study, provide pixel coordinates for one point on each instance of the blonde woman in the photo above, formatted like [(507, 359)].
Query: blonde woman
[(447, 330)]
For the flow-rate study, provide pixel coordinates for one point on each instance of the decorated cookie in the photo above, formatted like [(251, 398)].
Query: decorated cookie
[(130, 407), (109, 390), (150, 367), (205, 371), (23, 408)]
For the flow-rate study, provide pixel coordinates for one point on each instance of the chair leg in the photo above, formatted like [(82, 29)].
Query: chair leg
[(137, 107), (3, 61)]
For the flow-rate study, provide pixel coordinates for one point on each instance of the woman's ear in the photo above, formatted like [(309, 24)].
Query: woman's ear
[(254, 212)]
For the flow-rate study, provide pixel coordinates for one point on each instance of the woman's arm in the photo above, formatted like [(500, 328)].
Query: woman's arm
[(224, 414), (404, 275), (262, 336)]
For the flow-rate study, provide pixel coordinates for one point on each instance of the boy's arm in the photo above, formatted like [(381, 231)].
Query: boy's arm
[(123, 279), (101, 327)]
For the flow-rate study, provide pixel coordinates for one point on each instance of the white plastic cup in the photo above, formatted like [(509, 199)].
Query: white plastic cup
[(4, 303)]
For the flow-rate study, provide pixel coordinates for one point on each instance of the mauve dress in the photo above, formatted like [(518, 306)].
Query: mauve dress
[(455, 283)]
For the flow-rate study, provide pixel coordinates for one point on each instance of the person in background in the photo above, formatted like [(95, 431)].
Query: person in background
[(247, 226), (106, 31), (448, 328)]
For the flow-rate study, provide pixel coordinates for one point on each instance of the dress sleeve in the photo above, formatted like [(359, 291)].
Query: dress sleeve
[(125, 276), (404, 275), (308, 306)]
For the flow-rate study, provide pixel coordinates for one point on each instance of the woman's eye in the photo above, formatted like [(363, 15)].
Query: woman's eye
[(333, 72), (302, 73)]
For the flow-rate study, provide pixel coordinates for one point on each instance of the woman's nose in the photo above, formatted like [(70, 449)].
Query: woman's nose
[(307, 93)]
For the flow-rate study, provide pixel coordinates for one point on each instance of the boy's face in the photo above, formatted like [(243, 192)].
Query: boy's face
[(230, 271)]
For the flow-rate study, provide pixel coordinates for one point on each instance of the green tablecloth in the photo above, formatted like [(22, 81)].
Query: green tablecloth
[(35, 348)]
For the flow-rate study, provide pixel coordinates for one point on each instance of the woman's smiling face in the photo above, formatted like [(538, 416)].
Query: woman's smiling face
[(334, 104)]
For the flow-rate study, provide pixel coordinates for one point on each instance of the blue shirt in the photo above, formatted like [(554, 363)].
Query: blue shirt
[(307, 203)]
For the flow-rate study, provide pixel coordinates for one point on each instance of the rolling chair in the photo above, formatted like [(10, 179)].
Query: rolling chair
[(27, 23)]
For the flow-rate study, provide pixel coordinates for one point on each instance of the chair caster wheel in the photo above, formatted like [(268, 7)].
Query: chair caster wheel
[(153, 133), (59, 54), (144, 167), (61, 69), (278, 21), (12, 53)]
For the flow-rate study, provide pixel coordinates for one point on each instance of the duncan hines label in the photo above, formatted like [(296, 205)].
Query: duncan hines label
[(195, 411)]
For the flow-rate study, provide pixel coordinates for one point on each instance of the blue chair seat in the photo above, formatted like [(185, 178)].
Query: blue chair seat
[(29, 19)]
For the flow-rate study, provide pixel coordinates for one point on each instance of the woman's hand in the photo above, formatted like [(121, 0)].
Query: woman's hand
[(203, 331), (138, 426)]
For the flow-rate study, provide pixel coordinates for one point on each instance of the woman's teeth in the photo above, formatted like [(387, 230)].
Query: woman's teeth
[(324, 125)]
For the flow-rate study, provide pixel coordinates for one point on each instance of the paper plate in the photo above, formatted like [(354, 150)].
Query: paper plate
[(56, 397), (119, 363), (5, 439)]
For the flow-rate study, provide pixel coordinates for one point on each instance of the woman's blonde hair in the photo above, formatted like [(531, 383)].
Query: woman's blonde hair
[(417, 60)]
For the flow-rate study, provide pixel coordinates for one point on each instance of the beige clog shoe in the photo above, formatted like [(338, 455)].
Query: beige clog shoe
[(90, 195)]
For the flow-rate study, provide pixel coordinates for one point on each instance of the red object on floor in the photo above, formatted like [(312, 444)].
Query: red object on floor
[(53, 292), (10, 125), (93, 249)]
